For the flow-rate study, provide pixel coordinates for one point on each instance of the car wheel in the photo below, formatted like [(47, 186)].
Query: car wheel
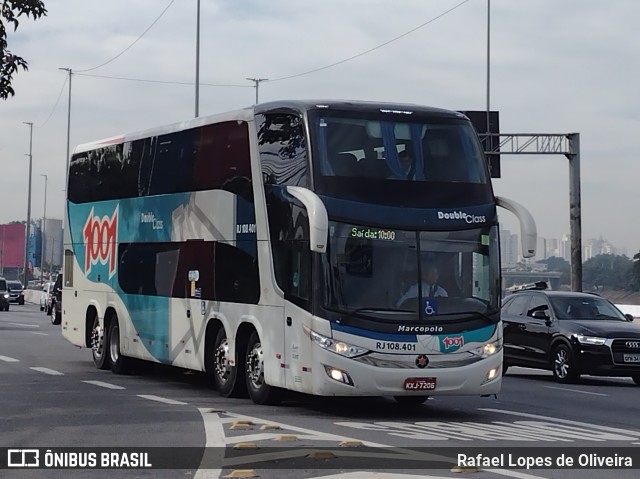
[(49, 308), (98, 341), (563, 365), (119, 364), (410, 400), (636, 379), (259, 391), (41, 308), (56, 316), (225, 374)]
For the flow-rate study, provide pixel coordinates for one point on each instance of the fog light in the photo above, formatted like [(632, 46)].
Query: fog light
[(492, 374), (338, 375)]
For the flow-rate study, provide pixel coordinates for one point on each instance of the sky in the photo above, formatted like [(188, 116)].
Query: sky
[(555, 67)]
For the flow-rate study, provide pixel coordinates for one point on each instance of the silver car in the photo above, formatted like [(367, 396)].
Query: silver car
[(45, 297)]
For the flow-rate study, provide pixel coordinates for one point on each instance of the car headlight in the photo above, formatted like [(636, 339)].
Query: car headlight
[(488, 349), (592, 340), (6, 295), (338, 347)]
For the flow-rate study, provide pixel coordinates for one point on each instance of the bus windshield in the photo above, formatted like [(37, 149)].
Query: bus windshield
[(381, 147), (377, 272)]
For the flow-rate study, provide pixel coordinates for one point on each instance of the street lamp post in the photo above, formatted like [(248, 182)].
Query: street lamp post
[(257, 82), (44, 225), (66, 180), (198, 61), (26, 246)]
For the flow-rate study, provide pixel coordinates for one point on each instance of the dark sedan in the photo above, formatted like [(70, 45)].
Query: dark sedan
[(571, 334)]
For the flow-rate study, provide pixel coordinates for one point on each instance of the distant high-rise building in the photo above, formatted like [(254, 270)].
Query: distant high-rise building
[(508, 248)]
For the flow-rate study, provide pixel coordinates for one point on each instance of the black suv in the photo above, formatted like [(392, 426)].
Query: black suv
[(4, 295), (16, 292), (56, 301), (569, 333)]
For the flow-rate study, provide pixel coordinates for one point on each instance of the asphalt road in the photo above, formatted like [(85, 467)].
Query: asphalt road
[(51, 396)]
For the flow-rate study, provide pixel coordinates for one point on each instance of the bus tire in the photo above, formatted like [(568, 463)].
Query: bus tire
[(225, 375), (410, 400), (119, 364), (259, 391), (98, 344), (56, 316)]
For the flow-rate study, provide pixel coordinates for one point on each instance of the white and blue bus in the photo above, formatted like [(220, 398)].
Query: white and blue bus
[(277, 248)]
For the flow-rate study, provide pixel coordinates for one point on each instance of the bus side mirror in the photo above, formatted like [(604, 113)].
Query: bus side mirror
[(318, 218), (528, 230)]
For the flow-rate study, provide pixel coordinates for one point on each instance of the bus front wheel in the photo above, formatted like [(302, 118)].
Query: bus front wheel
[(259, 391)]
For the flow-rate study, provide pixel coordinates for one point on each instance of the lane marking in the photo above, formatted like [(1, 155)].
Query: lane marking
[(214, 438), (104, 385), (564, 421), (51, 372), (7, 359), (23, 325), (576, 391), (161, 399), (41, 334)]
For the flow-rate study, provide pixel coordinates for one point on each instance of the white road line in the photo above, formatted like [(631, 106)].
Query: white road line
[(52, 372), (23, 325), (214, 438), (564, 421), (41, 334), (104, 385), (7, 359), (161, 399), (576, 391)]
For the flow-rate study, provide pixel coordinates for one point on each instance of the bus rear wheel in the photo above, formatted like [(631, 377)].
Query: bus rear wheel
[(259, 391), (119, 364), (98, 350), (225, 369)]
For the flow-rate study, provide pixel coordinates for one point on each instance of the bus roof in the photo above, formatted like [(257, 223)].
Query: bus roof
[(247, 114)]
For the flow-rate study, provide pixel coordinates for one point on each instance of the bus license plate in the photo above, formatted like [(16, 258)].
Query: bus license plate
[(631, 358), (420, 384)]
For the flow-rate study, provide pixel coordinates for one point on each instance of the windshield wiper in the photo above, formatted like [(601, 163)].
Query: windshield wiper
[(373, 309), (476, 314)]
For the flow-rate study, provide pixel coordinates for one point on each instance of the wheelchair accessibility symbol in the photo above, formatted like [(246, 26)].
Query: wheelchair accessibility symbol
[(430, 307)]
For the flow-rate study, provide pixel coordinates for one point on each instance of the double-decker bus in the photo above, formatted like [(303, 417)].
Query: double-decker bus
[(277, 248)]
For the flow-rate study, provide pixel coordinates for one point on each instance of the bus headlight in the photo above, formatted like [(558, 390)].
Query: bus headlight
[(338, 347), (488, 349)]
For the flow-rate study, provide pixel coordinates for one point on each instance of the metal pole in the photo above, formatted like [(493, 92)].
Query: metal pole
[(198, 61), (66, 179), (575, 215), (44, 225), (257, 82), (489, 143), (26, 247)]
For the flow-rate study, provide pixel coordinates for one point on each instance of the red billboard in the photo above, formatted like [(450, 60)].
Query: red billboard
[(12, 246)]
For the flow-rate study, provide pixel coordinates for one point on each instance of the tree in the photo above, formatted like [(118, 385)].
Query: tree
[(635, 273), (607, 271), (555, 263), (10, 10)]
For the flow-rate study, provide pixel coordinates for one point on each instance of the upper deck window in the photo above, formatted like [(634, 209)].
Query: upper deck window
[(438, 150)]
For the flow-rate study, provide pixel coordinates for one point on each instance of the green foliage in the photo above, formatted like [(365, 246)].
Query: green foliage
[(10, 11), (635, 273), (560, 265), (607, 271)]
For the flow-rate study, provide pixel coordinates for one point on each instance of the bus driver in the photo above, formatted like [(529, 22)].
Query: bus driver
[(430, 287)]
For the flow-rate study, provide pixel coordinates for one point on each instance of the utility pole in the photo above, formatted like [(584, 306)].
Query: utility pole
[(44, 225), (198, 61), (66, 180), (257, 82), (26, 246)]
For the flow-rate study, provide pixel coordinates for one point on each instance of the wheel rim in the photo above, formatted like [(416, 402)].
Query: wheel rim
[(114, 344), (255, 366), (562, 363), (223, 368), (97, 340)]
